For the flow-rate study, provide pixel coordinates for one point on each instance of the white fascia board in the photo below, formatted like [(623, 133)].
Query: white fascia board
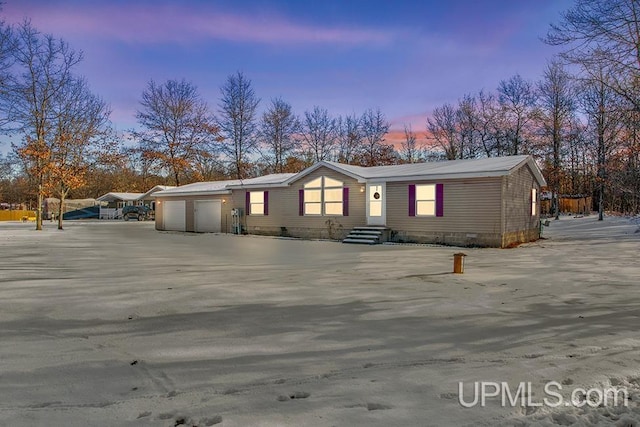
[(437, 177), (192, 193), (254, 186)]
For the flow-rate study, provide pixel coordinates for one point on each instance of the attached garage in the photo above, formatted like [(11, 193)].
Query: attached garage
[(205, 207), (174, 215), (207, 216)]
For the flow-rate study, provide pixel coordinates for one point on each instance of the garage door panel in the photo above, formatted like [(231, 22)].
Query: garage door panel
[(207, 216), (173, 214)]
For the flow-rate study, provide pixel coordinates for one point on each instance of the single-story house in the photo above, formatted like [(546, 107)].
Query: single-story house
[(119, 200), (148, 200), (478, 202), (111, 204)]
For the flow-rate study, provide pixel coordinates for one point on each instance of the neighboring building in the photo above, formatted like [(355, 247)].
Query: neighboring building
[(479, 202), (568, 203), (111, 204), (147, 198), (119, 200), (51, 206)]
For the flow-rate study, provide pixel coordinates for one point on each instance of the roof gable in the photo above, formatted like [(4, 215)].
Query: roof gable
[(347, 170)]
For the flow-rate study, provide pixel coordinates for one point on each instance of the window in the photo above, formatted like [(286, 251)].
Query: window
[(534, 202), (257, 203), (323, 196), (426, 200)]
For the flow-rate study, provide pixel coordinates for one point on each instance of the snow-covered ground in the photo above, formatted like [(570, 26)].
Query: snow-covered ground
[(116, 324)]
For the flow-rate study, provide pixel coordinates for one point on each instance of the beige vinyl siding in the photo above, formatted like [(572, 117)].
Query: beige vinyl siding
[(284, 209), (471, 206), (225, 225), (519, 225)]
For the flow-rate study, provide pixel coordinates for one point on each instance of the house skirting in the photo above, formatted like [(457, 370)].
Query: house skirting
[(522, 236), (332, 233), (466, 239)]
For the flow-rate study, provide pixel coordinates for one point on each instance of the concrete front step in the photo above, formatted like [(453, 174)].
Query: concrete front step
[(360, 241), (367, 235)]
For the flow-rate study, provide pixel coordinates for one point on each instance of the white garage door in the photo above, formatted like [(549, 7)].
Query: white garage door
[(207, 216), (173, 215)]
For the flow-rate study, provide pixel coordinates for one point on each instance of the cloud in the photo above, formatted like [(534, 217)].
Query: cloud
[(148, 24)]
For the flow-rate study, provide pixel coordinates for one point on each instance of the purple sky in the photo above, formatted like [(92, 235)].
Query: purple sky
[(405, 57)]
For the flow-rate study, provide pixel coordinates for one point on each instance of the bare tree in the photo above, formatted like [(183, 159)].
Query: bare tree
[(319, 133), (601, 104), (517, 98), (443, 130), (7, 46), (558, 104), (374, 126), (489, 127), (42, 69), (410, 150), (469, 124), (177, 126), (606, 33), (279, 131), (237, 121), (349, 138)]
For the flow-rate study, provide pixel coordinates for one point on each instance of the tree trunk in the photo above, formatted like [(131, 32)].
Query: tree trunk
[(39, 209), (60, 211), (601, 166)]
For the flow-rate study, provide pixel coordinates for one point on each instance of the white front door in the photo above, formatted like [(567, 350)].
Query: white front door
[(376, 205)]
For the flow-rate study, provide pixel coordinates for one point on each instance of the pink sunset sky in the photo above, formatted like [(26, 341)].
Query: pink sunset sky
[(403, 57)]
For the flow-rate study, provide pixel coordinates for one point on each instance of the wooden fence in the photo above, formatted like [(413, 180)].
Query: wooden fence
[(573, 205), (17, 215)]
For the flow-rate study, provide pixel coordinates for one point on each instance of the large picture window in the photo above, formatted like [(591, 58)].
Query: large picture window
[(324, 196)]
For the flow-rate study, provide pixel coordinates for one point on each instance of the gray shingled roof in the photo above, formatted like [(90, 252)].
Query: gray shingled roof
[(113, 196), (224, 187), (467, 168)]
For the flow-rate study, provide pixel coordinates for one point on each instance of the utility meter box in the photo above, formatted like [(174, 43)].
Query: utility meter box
[(236, 220)]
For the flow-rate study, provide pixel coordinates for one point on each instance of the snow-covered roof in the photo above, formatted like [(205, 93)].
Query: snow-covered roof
[(224, 187), (112, 197), (467, 168), (274, 179), (155, 189), (471, 168), (198, 188)]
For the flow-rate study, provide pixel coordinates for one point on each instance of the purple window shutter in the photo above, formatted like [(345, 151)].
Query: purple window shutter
[(412, 200), (439, 199), (301, 202), (345, 201), (266, 203), (247, 203)]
